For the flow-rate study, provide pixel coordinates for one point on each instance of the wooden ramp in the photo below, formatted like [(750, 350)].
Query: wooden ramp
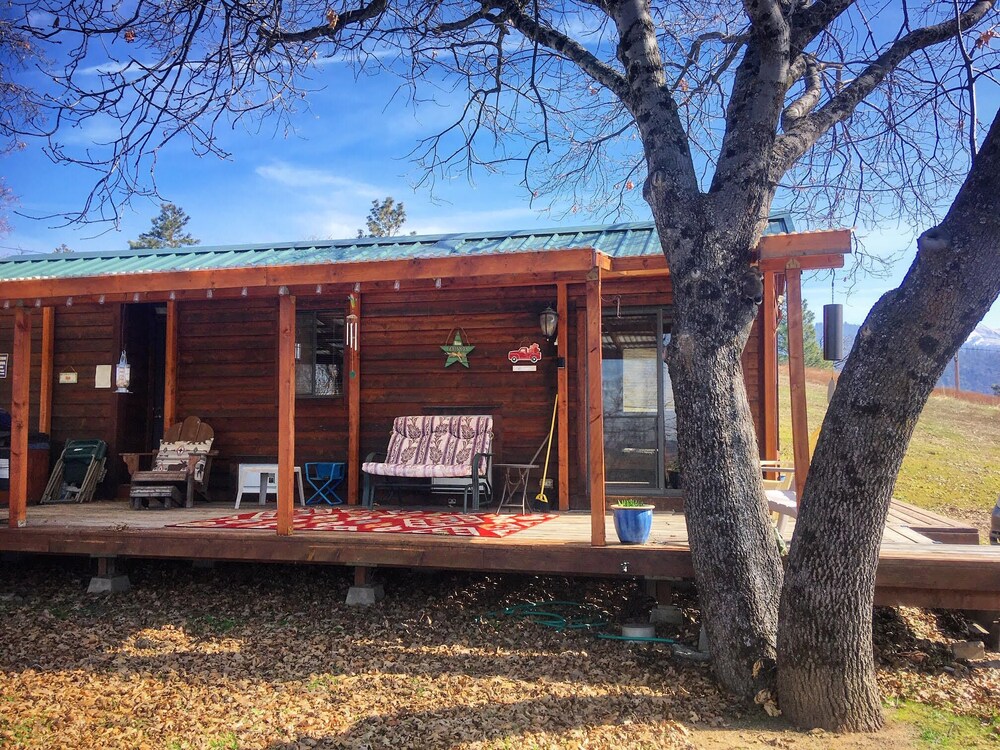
[(913, 568)]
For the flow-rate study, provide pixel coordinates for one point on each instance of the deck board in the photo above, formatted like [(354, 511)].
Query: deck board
[(913, 568)]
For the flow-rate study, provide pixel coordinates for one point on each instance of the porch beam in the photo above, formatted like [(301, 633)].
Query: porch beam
[(595, 410), (769, 367), (286, 413), (806, 262), (540, 264), (20, 389), (797, 379), (47, 367), (354, 409), (170, 368), (800, 244), (562, 392)]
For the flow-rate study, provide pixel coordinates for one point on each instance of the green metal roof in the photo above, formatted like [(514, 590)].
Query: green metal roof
[(615, 240)]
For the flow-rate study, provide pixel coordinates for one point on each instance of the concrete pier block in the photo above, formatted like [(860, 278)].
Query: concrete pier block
[(365, 595)]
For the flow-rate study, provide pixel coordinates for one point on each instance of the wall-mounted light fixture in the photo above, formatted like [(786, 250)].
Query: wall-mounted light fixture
[(548, 321)]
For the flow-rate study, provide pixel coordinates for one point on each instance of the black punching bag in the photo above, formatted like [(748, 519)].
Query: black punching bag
[(833, 332)]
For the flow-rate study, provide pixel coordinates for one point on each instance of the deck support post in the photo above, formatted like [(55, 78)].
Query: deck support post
[(595, 410), (20, 389), (286, 413), (797, 378), (45, 386), (170, 368), (562, 393), (353, 373), (769, 368)]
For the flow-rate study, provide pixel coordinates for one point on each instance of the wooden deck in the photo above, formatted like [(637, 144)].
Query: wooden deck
[(914, 569)]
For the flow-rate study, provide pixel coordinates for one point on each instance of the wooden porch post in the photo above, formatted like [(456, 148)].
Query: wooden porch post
[(562, 391), (286, 413), (769, 369), (797, 377), (45, 387), (353, 367), (595, 409), (170, 368), (20, 387)]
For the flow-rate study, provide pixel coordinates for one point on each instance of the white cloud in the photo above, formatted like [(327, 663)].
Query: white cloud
[(290, 175)]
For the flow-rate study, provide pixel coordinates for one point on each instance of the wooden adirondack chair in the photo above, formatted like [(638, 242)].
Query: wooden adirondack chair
[(183, 459)]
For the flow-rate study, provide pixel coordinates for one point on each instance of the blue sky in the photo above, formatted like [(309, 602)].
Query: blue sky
[(319, 179)]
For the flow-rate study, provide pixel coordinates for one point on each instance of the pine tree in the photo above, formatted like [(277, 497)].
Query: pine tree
[(385, 219), (167, 230), (811, 349)]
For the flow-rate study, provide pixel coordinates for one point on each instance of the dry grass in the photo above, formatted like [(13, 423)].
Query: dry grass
[(951, 463)]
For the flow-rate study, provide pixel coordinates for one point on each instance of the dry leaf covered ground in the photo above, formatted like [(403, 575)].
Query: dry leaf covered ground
[(241, 656)]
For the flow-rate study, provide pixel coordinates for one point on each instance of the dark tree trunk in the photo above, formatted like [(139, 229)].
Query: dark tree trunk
[(825, 664), (736, 559)]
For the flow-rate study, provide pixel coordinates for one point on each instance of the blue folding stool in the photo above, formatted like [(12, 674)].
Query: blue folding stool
[(325, 477)]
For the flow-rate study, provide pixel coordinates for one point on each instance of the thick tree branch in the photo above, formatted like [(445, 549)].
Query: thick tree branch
[(665, 142), (810, 97), (795, 142), (740, 180), (335, 24), (810, 21), (569, 48)]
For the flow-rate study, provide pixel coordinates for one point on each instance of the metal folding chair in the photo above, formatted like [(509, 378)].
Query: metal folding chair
[(325, 477)]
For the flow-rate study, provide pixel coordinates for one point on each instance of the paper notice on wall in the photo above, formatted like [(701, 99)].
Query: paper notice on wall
[(102, 376), (4, 357), (4, 468)]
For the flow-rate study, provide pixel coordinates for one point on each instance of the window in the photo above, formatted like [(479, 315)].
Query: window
[(319, 353)]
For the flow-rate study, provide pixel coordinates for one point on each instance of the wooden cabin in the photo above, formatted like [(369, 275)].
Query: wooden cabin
[(254, 339)]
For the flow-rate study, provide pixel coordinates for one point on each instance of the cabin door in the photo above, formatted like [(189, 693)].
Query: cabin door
[(140, 413), (640, 426)]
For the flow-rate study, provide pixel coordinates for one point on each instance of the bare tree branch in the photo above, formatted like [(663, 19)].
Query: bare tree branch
[(808, 130)]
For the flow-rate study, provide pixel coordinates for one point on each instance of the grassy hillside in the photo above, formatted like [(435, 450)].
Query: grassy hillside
[(952, 465)]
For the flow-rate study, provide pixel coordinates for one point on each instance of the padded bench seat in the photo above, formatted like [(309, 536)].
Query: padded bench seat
[(421, 447)]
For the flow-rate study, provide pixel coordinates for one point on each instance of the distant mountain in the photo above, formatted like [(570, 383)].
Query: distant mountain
[(984, 337), (978, 359)]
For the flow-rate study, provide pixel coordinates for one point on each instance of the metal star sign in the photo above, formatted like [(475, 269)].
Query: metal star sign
[(457, 351)]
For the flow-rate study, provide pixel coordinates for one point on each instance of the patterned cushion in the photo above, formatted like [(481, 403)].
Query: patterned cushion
[(436, 444), (417, 470), (174, 457)]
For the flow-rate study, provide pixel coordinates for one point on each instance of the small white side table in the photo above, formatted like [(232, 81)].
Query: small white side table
[(261, 478)]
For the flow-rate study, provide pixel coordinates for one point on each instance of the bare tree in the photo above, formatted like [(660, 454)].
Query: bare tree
[(845, 108)]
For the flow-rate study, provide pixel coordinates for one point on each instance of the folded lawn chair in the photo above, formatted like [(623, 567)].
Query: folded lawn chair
[(77, 472), (184, 459)]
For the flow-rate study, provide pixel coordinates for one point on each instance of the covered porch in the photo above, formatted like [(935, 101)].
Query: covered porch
[(231, 323)]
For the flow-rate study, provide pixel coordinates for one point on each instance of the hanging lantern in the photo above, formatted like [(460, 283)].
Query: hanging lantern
[(833, 332), (123, 375), (548, 321)]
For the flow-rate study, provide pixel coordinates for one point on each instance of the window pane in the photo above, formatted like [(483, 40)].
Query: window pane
[(319, 354)]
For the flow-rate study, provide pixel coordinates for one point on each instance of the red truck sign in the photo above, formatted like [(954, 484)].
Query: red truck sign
[(525, 354)]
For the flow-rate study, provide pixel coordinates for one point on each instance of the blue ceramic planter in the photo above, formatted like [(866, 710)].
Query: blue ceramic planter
[(633, 524)]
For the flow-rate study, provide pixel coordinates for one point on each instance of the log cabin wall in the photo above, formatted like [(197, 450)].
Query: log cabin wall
[(227, 351), (85, 336)]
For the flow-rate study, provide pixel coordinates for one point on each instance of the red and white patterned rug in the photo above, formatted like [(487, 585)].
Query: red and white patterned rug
[(392, 521)]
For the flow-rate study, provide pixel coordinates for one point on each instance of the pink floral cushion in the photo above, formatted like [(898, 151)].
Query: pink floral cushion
[(435, 446)]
